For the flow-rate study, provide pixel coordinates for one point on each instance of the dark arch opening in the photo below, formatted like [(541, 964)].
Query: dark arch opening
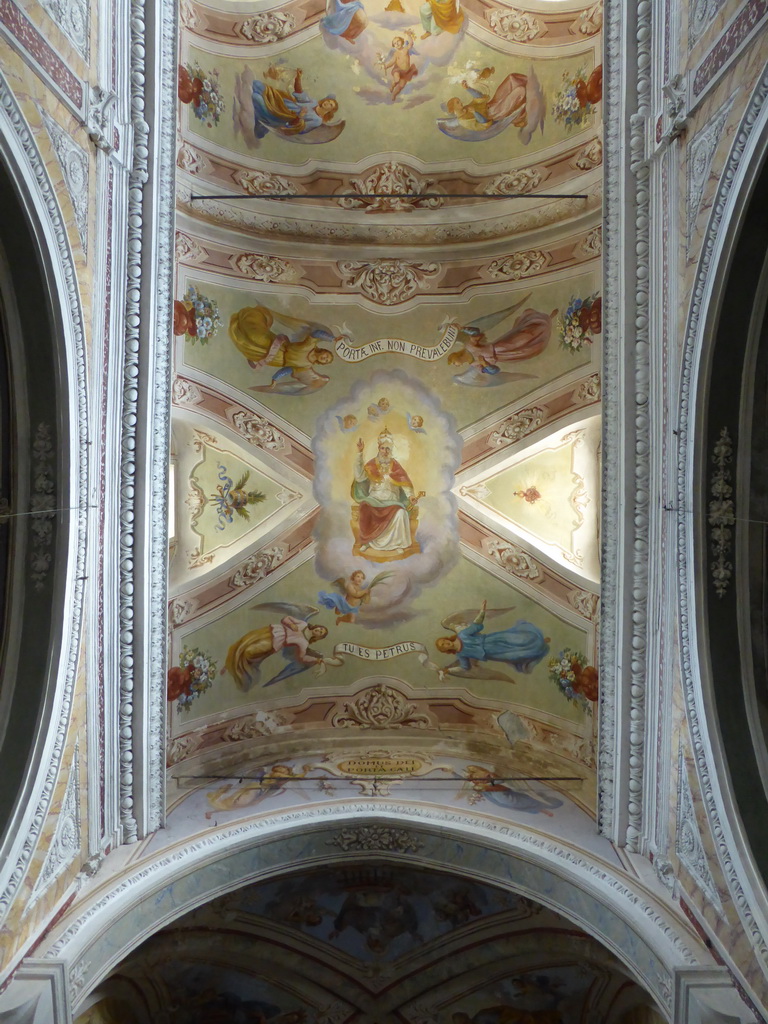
[(33, 480), (733, 513)]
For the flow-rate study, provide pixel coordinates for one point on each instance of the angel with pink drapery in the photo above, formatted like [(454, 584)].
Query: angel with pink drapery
[(485, 353)]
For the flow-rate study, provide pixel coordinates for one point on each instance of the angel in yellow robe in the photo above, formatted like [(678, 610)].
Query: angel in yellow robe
[(294, 350), (441, 16)]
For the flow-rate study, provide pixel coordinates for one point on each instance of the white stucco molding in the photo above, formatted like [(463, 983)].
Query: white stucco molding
[(728, 210), (20, 154), (145, 426), (620, 913)]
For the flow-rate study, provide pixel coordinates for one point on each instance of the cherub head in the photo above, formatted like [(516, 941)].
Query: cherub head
[(281, 771), (383, 404), (327, 107), (321, 356), (349, 422), (448, 644), (317, 632), (357, 577), (398, 42), (417, 421)]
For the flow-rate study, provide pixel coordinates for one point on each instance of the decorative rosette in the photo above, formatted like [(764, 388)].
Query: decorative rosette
[(575, 101), (202, 91), (582, 320), (196, 316), (191, 678), (574, 678)]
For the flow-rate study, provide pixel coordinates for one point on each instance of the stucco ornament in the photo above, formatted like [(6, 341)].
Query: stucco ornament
[(590, 21), (184, 392), (688, 842), (699, 159), (65, 845), (513, 25), (517, 265), (189, 250), (513, 559), (387, 282), (258, 431), (515, 427), (722, 514), (43, 500), (258, 566), (259, 267), (269, 27), (405, 185), (72, 18), (262, 183), (590, 156), (376, 837), (74, 164), (381, 707), (526, 179)]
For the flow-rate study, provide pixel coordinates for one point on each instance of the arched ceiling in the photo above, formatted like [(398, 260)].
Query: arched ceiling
[(370, 942), (409, 271)]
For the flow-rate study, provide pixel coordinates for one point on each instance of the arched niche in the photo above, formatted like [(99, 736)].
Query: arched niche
[(721, 488), (43, 474), (93, 940)]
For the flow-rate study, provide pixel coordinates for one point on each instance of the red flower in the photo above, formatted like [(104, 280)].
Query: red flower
[(179, 682), (585, 681), (596, 316), (183, 319), (595, 85), (185, 92)]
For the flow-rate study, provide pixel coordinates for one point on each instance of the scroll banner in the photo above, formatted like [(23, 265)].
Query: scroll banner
[(397, 346), (379, 653)]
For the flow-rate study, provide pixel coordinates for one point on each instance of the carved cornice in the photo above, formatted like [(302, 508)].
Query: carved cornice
[(144, 443)]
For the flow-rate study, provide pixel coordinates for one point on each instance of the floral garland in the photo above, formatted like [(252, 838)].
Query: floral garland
[(193, 676), (582, 320)]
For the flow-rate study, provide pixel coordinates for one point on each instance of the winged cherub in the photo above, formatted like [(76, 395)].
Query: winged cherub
[(521, 646), (353, 593)]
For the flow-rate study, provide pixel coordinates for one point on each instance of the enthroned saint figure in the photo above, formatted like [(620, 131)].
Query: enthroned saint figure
[(385, 495)]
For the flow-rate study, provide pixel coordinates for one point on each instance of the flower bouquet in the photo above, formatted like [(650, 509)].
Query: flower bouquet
[(191, 678), (582, 320), (196, 316), (576, 680), (202, 91), (579, 94)]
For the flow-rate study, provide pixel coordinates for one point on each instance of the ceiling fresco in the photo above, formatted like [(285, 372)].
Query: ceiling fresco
[(386, 413), (371, 942)]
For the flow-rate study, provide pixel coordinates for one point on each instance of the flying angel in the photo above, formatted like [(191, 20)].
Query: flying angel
[(353, 594), (521, 646), (291, 636), (415, 423)]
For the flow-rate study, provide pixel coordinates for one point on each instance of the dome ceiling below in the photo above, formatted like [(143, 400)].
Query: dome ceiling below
[(369, 942)]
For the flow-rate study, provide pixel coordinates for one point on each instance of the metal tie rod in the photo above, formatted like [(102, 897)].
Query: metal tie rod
[(390, 195)]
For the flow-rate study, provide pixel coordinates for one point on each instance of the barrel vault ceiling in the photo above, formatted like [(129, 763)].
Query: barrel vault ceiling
[(386, 431)]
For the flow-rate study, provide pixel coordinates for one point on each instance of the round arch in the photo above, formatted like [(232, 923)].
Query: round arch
[(624, 917), (724, 328), (44, 357)]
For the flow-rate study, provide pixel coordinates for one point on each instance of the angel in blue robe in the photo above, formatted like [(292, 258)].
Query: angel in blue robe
[(521, 646), (345, 18)]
